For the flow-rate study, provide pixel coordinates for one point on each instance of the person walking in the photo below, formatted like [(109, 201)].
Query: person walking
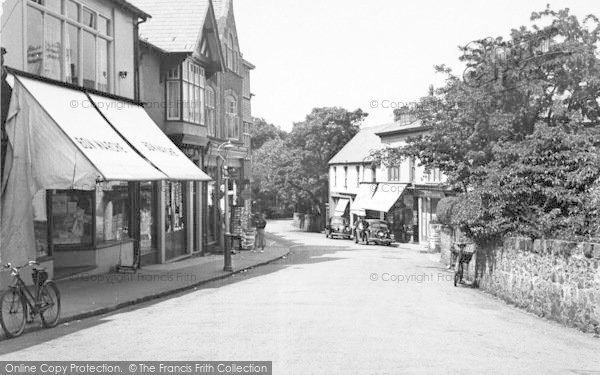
[(260, 223)]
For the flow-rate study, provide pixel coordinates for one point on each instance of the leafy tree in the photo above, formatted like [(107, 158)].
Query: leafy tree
[(295, 169), (315, 141), (516, 132), (261, 132)]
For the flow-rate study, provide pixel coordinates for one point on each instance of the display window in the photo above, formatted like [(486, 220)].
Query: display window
[(72, 214), (112, 212)]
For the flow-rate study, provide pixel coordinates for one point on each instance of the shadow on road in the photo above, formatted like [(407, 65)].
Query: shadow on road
[(300, 254)]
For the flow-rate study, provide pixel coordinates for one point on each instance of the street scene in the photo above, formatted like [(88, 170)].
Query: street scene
[(394, 309), (284, 187)]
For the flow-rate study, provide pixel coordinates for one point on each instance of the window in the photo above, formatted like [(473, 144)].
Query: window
[(334, 176), (211, 116), (72, 217), (72, 63), (40, 224), (53, 48), (373, 174), (112, 212), (345, 177), (69, 42), (394, 173), (232, 121), (412, 169), (187, 103), (173, 94), (357, 176), (89, 60), (34, 41)]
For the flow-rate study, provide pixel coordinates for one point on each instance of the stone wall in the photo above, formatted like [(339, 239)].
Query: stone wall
[(558, 280)]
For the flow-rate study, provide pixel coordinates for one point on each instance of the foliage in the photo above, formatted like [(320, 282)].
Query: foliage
[(516, 132), (261, 132), (294, 168), (444, 210)]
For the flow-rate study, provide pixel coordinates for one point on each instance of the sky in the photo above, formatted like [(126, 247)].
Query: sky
[(374, 55)]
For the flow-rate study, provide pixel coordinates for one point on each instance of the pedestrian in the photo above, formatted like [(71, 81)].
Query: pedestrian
[(260, 223)]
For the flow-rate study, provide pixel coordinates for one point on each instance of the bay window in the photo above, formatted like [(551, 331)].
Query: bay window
[(185, 93), (69, 42)]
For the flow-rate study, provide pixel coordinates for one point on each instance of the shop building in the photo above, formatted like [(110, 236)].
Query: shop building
[(197, 86), (78, 148), (406, 195)]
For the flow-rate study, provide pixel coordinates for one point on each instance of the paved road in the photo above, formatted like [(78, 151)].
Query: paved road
[(331, 307)]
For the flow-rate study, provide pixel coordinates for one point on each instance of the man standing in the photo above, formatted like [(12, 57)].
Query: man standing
[(260, 223)]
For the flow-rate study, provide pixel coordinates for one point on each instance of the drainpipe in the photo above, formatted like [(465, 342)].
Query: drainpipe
[(136, 59)]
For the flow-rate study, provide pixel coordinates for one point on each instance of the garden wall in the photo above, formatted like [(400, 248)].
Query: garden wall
[(559, 280)]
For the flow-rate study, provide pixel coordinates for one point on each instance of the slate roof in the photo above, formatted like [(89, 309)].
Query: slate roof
[(359, 148), (175, 25)]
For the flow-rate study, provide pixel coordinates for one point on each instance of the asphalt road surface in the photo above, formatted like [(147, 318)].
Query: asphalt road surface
[(330, 307)]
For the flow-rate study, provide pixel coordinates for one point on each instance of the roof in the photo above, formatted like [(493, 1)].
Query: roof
[(402, 128), (128, 5), (358, 149), (174, 26)]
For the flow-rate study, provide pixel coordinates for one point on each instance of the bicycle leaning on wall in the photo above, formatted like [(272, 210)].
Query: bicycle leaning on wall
[(19, 305)]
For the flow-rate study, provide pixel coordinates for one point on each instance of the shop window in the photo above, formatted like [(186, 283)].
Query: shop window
[(147, 222), (72, 212), (112, 212), (40, 224)]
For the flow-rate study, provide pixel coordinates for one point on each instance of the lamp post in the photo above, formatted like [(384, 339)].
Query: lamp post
[(227, 267)]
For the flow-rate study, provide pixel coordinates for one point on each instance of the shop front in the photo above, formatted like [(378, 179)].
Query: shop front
[(83, 176)]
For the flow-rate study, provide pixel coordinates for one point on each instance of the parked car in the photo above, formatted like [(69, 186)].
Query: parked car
[(379, 232), (338, 227)]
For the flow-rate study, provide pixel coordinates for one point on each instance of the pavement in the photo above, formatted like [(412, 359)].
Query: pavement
[(85, 295), (329, 307)]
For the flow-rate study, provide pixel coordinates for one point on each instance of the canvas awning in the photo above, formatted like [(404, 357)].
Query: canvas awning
[(340, 207), (385, 197), (81, 125), (364, 194), (133, 123)]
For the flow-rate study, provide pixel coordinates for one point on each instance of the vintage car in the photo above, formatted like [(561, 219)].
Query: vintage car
[(378, 232), (338, 227)]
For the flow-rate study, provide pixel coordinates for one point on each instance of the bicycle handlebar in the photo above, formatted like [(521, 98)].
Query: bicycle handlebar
[(29, 263)]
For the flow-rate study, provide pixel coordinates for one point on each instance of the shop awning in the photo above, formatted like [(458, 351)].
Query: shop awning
[(364, 194), (133, 123), (340, 207), (385, 197), (80, 124)]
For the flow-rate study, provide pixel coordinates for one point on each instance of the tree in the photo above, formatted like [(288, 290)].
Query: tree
[(516, 132), (261, 132), (314, 142), (295, 168)]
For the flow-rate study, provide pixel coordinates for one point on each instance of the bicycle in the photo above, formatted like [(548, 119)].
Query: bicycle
[(463, 257), (18, 305)]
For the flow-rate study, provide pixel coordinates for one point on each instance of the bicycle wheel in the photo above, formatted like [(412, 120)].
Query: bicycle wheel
[(13, 313), (49, 304)]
